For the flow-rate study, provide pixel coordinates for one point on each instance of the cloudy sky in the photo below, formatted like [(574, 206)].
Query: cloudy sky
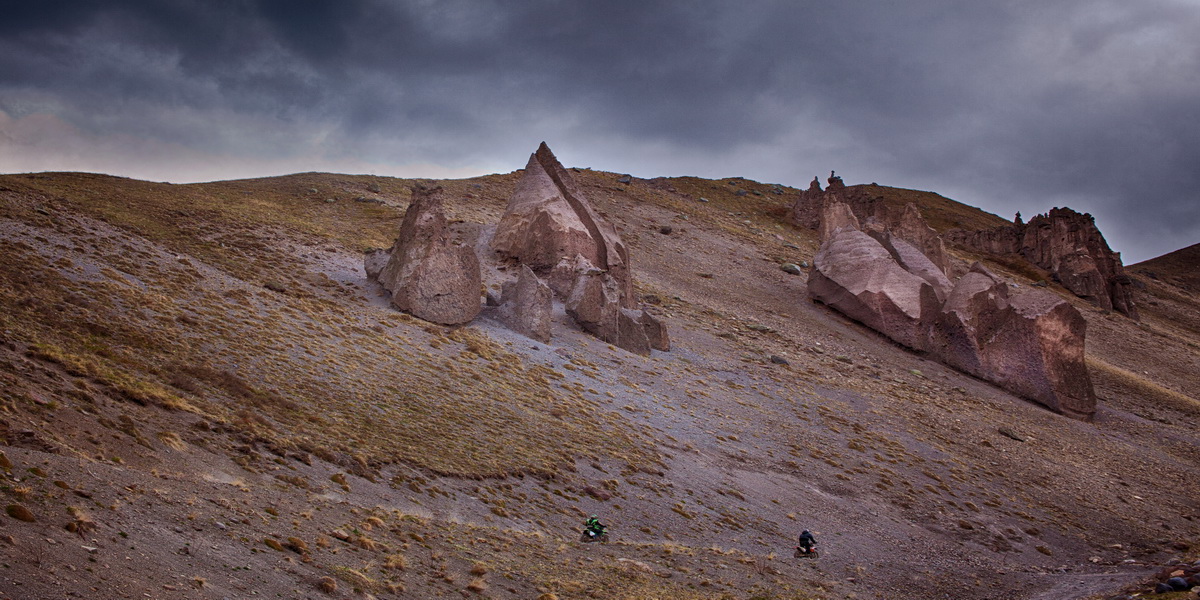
[(1008, 104)]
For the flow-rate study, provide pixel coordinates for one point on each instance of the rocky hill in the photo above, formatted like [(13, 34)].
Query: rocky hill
[(202, 395)]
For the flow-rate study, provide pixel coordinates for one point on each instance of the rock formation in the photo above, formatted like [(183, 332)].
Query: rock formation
[(869, 210), (550, 228), (1031, 343), (856, 275), (525, 305), (1063, 242), (548, 219), (428, 274), (1070, 247)]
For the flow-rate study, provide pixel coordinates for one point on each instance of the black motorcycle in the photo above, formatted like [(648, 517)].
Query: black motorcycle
[(592, 535)]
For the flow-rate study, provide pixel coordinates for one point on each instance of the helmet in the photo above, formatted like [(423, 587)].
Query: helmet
[(593, 516), (805, 531)]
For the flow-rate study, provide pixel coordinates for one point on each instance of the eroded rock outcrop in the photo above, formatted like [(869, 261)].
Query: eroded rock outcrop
[(548, 219), (525, 305), (1030, 343), (1070, 247), (868, 212), (550, 227), (428, 273)]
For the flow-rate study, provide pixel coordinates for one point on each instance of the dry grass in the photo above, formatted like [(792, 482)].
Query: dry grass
[(1127, 387)]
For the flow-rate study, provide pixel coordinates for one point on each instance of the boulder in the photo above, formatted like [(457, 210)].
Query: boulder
[(428, 274), (854, 274), (525, 305), (656, 332), (1031, 343)]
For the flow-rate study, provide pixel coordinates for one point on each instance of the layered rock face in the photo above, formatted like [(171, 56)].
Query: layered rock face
[(1070, 247), (526, 304), (427, 273), (1031, 343), (550, 227)]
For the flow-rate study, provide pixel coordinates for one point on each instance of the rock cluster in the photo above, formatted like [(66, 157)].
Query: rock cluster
[(550, 228), (429, 274), (1178, 577), (868, 209), (1070, 247), (1063, 242), (1030, 343), (560, 245)]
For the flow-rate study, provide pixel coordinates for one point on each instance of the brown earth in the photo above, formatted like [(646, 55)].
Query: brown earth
[(201, 396)]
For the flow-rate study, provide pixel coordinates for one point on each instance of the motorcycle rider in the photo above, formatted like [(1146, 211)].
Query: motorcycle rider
[(807, 541), (594, 525)]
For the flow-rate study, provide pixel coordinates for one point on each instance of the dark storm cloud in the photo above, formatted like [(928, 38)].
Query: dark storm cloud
[(1011, 105)]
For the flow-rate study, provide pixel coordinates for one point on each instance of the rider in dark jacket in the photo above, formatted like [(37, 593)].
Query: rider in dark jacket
[(807, 541)]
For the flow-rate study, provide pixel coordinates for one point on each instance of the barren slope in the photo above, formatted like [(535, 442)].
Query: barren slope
[(199, 382)]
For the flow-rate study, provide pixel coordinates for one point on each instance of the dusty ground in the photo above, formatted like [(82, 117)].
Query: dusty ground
[(202, 397)]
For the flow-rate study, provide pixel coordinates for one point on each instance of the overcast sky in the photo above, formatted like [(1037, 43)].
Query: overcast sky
[(1007, 104)]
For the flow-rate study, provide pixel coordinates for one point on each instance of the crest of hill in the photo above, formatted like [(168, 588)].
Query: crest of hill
[(1181, 268)]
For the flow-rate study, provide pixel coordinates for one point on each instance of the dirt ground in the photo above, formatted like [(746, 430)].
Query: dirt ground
[(203, 397)]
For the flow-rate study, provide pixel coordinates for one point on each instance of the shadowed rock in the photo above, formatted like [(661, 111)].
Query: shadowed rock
[(525, 305), (428, 274)]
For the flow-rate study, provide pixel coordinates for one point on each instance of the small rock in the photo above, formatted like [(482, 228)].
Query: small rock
[(1163, 588), (625, 179), (804, 264), (1006, 432), (779, 360), (791, 268), (665, 230), (5, 463), (20, 513), (703, 199), (740, 193), (330, 200), (1178, 584)]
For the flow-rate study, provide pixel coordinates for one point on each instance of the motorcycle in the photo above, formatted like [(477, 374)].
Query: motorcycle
[(811, 552), (591, 535)]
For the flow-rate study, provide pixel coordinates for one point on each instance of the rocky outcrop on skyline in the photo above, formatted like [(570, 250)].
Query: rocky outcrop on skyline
[(869, 211), (549, 227), (428, 273), (1069, 246), (1030, 343), (548, 218)]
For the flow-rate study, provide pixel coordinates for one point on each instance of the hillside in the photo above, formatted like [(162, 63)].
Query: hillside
[(203, 397)]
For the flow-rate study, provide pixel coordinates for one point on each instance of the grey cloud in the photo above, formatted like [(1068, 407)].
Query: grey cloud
[(1011, 105)]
